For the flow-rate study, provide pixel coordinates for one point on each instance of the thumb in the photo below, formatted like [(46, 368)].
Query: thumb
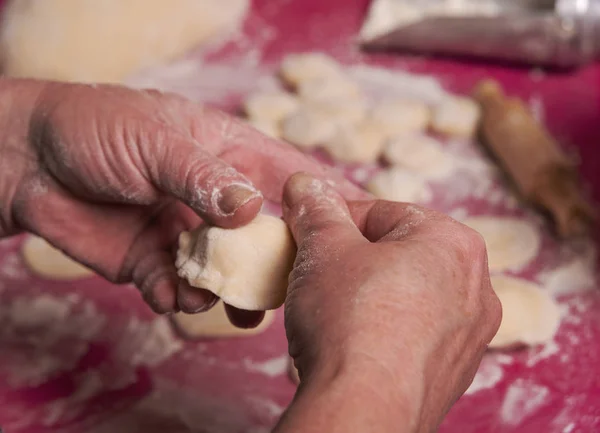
[(314, 210), (217, 192)]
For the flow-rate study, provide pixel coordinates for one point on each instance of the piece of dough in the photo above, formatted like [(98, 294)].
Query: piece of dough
[(215, 324), (341, 111), (362, 143), (48, 262), (272, 106), (308, 128), (395, 184), (419, 153), (456, 117), (401, 116), (302, 67), (247, 267), (107, 40), (529, 315), (511, 243), (329, 88), (266, 127)]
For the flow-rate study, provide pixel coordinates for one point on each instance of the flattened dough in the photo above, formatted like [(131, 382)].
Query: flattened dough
[(303, 67), (308, 128), (419, 153), (361, 143), (272, 106), (329, 88), (401, 116), (456, 117), (247, 267), (47, 262), (511, 243), (395, 184), (215, 324), (529, 314), (106, 40)]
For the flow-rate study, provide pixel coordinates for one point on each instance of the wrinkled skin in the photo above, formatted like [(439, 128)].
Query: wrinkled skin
[(111, 176), (397, 296)]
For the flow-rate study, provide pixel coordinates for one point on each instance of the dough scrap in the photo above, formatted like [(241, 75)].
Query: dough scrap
[(340, 111), (308, 128), (401, 116), (272, 106), (107, 40), (298, 68), (329, 88), (395, 184), (456, 117), (362, 143), (48, 262), (247, 267), (215, 324), (419, 153), (529, 314), (512, 243)]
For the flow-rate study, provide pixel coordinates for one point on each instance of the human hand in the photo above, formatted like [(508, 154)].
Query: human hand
[(389, 311), (111, 176)]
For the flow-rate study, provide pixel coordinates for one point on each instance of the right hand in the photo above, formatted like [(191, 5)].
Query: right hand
[(390, 307)]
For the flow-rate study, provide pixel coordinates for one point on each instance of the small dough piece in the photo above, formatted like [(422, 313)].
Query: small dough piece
[(401, 116), (302, 67), (512, 243), (341, 111), (529, 314), (215, 324), (273, 106), (107, 40), (48, 262), (308, 128), (329, 88), (362, 143), (419, 153), (266, 127), (247, 267), (396, 184), (456, 117)]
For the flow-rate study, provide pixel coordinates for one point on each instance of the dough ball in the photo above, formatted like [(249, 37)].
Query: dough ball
[(247, 267), (107, 40), (419, 153), (267, 127), (273, 106), (529, 315), (329, 88), (401, 116), (48, 262), (299, 68), (395, 184), (308, 128), (361, 143), (511, 243), (341, 111), (456, 117), (215, 324)]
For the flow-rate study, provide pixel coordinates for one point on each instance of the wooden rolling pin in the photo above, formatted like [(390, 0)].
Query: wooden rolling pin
[(541, 171)]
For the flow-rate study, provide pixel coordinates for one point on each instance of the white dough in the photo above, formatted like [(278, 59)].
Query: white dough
[(511, 243), (401, 116), (267, 127), (247, 267), (456, 117), (419, 153), (395, 184), (215, 324), (308, 128), (362, 143), (341, 111), (302, 67), (47, 262), (272, 106), (529, 315), (107, 40), (328, 88)]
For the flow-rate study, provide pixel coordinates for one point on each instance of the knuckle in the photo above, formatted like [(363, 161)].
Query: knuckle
[(471, 244)]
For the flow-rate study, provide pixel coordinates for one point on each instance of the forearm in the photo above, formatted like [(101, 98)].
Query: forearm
[(17, 99)]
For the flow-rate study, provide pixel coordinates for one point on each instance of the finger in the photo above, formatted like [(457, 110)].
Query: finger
[(218, 193), (314, 210), (192, 300), (243, 318)]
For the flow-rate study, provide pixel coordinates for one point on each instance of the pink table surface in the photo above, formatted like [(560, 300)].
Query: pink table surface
[(90, 356)]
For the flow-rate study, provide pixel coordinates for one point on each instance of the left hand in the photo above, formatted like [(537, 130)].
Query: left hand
[(111, 176)]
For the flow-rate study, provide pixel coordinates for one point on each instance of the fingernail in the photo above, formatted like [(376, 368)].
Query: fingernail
[(300, 185), (234, 197), (192, 300)]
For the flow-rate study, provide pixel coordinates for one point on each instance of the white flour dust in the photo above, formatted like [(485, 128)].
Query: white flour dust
[(490, 373), (522, 400), (272, 368)]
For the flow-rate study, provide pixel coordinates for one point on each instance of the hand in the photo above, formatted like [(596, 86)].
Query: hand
[(111, 176), (389, 311)]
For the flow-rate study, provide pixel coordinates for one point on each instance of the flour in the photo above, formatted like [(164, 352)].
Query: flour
[(148, 343), (576, 276), (522, 400), (490, 373), (537, 355), (12, 267), (272, 368), (263, 405)]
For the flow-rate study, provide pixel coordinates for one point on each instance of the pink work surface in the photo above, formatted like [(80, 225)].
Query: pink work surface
[(90, 356)]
